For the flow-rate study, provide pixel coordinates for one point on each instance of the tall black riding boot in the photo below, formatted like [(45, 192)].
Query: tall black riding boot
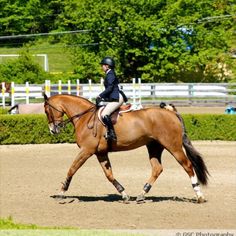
[(111, 135)]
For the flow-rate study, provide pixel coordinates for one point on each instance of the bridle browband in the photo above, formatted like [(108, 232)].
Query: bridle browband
[(63, 123)]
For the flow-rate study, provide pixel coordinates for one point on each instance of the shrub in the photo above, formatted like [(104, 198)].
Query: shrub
[(23, 69), (30, 129), (211, 127), (33, 129)]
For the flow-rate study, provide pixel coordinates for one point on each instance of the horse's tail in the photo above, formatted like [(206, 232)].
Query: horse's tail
[(194, 156), (14, 107), (196, 159)]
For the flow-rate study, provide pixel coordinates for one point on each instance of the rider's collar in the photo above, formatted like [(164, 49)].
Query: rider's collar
[(108, 70)]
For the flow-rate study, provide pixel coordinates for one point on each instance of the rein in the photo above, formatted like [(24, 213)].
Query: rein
[(63, 124)]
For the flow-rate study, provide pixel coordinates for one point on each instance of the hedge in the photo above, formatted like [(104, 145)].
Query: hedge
[(210, 126), (32, 129)]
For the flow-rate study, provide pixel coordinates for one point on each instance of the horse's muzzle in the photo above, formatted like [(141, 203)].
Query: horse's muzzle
[(54, 129)]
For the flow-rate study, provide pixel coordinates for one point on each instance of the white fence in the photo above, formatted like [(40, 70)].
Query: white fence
[(182, 94)]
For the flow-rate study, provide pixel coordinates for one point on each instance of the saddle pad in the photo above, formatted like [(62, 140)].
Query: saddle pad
[(115, 115)]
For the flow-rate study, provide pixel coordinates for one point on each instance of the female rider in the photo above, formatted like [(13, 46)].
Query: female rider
[(111, 94)]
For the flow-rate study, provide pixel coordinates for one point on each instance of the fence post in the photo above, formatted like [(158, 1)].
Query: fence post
[(68, 87), (3, 95), (190, 94), (134, 92), (77, 87), (139, 93), (27, 92), (12, 94), (47, 87), (90, 89), (153, 91), (59, 87)]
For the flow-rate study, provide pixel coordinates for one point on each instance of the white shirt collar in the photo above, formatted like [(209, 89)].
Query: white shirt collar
[(108, 71)]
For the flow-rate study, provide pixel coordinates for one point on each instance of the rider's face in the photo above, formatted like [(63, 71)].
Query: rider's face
[(105, 68)]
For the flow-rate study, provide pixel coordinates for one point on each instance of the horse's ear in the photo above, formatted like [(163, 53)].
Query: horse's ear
[(45, 96)]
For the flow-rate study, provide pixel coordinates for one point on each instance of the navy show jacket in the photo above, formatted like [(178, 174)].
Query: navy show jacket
[(111, 82)]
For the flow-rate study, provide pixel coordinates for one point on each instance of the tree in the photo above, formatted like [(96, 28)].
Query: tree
[(156, 40), (22, 70)]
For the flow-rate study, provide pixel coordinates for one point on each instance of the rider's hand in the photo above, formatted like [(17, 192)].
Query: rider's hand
[(98, 100)]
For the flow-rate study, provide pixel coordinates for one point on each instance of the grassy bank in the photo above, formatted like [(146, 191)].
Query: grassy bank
[(58, 56)]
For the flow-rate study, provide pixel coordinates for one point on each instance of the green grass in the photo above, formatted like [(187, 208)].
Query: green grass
[(7, 223), (58, 56), (10, 228)]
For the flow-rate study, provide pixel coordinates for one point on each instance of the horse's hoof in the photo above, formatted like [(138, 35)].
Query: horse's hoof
[(201, 199), (140, 199), (126, 199)]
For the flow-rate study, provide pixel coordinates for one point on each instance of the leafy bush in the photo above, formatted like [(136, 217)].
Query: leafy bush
[(23, 69), (3, 110), (211, 127), (30, 129), (33, 129)]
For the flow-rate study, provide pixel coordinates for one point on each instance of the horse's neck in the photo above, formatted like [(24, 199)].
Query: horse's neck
[(75, 106)]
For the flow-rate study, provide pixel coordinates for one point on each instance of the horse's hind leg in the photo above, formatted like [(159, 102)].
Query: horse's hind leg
[(106, 166), (154, 150), (187, 165)]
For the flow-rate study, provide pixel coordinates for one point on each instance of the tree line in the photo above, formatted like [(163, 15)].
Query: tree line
[(156, 40)]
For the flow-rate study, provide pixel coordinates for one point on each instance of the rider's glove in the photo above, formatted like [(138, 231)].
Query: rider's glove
[(98, 100)]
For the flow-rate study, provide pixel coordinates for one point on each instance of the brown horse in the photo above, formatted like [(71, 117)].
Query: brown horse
[(156, 128)]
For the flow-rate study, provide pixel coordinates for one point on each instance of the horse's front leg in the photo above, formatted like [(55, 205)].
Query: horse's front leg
[(106, 166), (77, 163)]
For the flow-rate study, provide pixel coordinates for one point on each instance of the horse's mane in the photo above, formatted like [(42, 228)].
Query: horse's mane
[(75, 97)]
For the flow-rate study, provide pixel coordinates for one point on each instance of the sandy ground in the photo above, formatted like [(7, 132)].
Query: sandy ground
[(30, 174)]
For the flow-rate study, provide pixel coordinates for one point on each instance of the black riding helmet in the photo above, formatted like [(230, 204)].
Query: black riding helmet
[(108, 61)]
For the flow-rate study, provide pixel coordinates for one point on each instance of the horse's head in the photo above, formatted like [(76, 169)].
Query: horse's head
[(54, 114)]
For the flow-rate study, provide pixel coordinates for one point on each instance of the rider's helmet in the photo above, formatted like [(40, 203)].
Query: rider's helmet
[(108, 61)]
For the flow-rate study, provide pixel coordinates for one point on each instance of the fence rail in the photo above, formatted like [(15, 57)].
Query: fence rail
[(181, 94)]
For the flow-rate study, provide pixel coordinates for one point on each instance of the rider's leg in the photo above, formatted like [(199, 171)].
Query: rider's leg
[(110, 107), (111, 135)]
